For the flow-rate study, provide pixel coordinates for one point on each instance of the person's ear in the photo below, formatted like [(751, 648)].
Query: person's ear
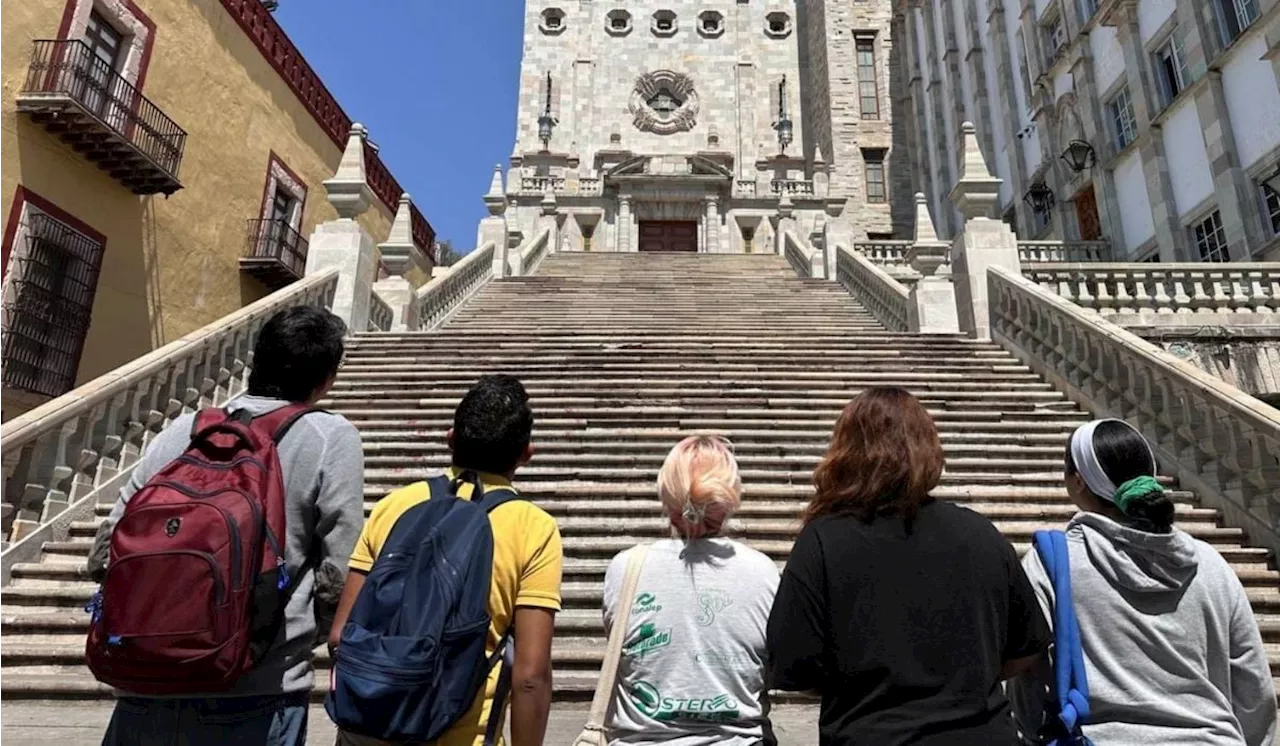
[(448, 439), (322, 389), (527, 456)]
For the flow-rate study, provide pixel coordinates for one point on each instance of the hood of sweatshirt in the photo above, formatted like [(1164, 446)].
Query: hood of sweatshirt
[(1136, 560)]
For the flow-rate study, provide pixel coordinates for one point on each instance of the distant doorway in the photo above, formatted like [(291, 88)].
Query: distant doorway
[(668, 235), (1087, 214)]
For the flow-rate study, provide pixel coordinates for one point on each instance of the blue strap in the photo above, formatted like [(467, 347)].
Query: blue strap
[(1071, 683)]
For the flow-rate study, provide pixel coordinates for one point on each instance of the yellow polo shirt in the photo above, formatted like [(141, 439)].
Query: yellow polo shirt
[(527, 559)]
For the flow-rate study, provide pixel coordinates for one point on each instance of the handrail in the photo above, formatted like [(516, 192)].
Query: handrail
[(886, 252), (381, 316), (438, 299), (1145, 290), (1219, 441), (67, 447), (1063, 251), (886, 298), (799, 256), (525, 259)]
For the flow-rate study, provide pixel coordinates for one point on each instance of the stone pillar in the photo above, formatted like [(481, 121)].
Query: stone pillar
[(786, 222), (549, 219), (932, 308), (837, 232), (493, 228), (398, 255), (623, 228), (343, 243), (985, 241), (712, 219)]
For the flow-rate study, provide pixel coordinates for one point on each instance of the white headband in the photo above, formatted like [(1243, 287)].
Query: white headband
[(1085, 459)]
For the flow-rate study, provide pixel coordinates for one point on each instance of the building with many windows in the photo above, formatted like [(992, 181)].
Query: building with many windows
[(1154, 124), (163, 164)]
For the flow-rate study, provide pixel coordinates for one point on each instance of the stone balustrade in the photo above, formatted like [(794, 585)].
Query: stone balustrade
[(886, 298), (381, 315), (1063, 251), (542, 184), (590, 186), (805, 260), (744, 188), (791, 187), (1215, 439), (438, 299), (1153, 290), (525, 259), (72, 448), (884, 253)]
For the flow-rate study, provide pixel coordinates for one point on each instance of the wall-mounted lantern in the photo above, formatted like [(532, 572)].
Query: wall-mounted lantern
[(783, 125), (546, 122), (1040, 197), (1079, 155)]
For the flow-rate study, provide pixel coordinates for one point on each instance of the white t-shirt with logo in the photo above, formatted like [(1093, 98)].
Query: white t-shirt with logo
[(692, 669)]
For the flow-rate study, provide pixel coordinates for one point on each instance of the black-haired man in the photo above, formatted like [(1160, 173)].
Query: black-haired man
[(296, 358), (491, 438)]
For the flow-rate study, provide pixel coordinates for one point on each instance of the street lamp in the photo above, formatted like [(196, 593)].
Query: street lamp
[(1040, 197), (783, 125), (546, 122), (1079, 155)]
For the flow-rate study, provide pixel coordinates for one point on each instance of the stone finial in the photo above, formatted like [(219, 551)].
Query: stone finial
[(348, 189), (548, 203), (818, 158), (615, 137), (713, 139), (785, 207), (399, 251), (496, 199), (925, 232), (977, 193)]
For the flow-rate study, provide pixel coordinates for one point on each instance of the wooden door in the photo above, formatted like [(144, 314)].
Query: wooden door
[(668, 235), (1087, 214)]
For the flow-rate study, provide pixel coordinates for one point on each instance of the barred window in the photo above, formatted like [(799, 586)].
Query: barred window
[(1124, 126), (867, 90), (48, 304), (874, 160)]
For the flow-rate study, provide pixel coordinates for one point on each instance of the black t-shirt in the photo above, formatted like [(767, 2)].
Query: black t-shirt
[(904, 634)]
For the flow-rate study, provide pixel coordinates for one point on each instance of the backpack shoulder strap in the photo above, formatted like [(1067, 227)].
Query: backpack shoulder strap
[(496, 498), (276, 423), (1070, 682), (207, 418)]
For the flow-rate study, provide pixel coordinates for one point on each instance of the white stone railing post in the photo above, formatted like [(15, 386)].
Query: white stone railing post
[(440, 298), (493, 228), (932, 304), (398, 255), (985, 241), (883, 296), (60, 457), (344, 244)]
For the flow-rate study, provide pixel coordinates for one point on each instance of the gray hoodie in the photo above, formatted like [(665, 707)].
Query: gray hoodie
[(1171, 648)]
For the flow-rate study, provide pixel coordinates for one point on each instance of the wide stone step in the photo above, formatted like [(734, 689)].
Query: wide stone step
[(744, 440), (977, 424)]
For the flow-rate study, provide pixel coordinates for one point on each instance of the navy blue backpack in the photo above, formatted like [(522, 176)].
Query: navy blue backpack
[(1070, 686), (412, 655)]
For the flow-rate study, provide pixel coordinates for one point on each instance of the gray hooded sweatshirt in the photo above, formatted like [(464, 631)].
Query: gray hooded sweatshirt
[(1171, 648)]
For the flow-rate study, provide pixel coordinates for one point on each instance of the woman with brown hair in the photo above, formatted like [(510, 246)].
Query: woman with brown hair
[(904, 613)]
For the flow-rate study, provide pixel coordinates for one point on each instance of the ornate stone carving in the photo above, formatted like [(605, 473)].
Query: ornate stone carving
[(664, 102)]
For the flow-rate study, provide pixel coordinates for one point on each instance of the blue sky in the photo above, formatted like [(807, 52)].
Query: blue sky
[(436, 83)]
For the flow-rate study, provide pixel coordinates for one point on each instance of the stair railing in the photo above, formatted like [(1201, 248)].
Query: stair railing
[(440, 298), (807, 261), (61, 456), (886, 298), (381, 315), (529, 255), (1144, 290), (1214, 438)]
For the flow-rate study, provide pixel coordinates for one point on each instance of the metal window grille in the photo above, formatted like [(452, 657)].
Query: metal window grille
[(49, 306)]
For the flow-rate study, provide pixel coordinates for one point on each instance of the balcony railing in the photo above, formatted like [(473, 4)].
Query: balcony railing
[(276, 253), (1039, 252), (83, 100)]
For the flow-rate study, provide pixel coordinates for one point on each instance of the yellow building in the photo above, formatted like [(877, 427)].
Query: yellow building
[(162, 163)]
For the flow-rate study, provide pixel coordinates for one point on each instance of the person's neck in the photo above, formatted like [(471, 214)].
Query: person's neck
[(458, 468)]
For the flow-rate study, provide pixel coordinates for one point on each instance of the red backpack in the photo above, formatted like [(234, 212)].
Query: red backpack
[(196, 582)]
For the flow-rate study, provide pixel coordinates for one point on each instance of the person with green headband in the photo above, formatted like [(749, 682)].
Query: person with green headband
[(1172, 651)]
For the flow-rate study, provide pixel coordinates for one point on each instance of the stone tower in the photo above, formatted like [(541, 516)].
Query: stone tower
[(678, 125)]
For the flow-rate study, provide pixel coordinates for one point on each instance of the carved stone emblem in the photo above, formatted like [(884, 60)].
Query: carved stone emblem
[(664, 102)]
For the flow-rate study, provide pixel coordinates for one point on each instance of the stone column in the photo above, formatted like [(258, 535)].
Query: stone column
[(623, 228), (786, 222), (343, 243), (493, 228), (932, 308), (985, 241), (712, 229), (398, 254)]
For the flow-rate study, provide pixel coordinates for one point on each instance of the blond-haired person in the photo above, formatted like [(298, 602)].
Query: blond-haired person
[(692, 669)]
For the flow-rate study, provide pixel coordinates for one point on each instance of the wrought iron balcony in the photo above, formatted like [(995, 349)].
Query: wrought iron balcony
[(276, 255), (83, 100)]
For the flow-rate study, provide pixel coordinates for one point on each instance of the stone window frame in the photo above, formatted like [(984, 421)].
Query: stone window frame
[(778, 16), (861, 40), (1053, 24), (662, 16), (27, 204), (1122, 132), (282, 178), (615, 15), (1169, 44), (715, 15), (1086, 9), (1232, 19), (136, 28), (1267, 200), (1209, 236), (550, 15), (873, 160)]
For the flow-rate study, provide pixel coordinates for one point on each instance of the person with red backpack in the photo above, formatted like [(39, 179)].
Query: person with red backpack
[(235, 525)]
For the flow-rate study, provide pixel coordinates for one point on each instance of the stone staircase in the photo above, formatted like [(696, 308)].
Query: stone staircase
[(623, 354)]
